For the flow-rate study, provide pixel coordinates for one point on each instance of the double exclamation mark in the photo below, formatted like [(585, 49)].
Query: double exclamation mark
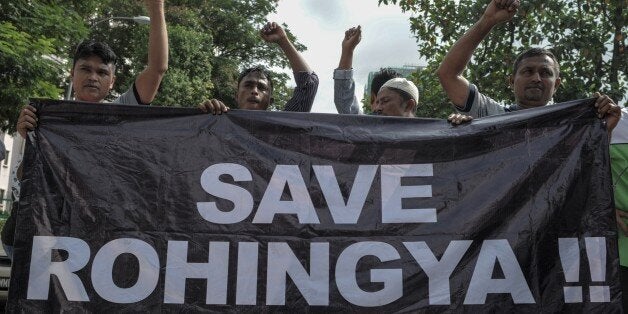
[(569, 251)]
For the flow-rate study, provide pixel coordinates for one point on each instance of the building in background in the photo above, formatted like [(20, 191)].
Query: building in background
[(14, 146)]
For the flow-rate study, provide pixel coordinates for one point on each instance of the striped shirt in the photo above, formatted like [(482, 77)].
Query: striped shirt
[(303, 95)]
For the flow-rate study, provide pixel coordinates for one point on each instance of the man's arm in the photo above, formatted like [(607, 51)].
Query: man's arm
[(274, 33), (147, 82), (344, 85), (307, 81), (451, 69)]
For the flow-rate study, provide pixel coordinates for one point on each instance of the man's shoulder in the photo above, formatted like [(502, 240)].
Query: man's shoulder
[(130, 97), (479, 105)]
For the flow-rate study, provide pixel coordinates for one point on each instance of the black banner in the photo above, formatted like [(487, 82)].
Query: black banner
[(141, 209)]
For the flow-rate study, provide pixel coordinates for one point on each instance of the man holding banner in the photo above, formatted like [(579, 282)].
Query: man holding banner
[(255, 87), (93, 71), (93, 76), (535, 78)]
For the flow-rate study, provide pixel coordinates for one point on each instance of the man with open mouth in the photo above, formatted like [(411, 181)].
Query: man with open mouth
[(255, 86)]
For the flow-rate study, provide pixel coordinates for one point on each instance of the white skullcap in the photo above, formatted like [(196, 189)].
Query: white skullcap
[(404, 85)]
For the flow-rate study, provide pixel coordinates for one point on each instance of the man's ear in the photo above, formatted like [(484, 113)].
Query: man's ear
[(511, 81), (557, 84), (272, 99), (411, 105), (113, 81)]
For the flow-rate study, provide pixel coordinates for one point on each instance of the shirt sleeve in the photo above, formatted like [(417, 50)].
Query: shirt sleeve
[(130, 97), (344, 92), (304, 93), (478, 105)]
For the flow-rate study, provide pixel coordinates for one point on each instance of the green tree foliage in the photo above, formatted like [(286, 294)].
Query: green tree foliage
[(210, 41), (33, 43), (588, 38)]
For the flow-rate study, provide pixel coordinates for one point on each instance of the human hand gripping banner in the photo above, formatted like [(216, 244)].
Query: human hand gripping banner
[(142, 209)]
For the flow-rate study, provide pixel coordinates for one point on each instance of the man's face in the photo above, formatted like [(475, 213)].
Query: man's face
[(390, 103), (253, 92), (535, 82), (92, 79)]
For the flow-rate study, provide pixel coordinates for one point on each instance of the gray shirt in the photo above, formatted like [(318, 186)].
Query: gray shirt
[(130, 97), (344, 92), (479, 105)]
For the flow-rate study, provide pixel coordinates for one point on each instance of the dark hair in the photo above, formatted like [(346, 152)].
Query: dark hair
[(90, 47), (381, 77), (262, 71), (536, 52)]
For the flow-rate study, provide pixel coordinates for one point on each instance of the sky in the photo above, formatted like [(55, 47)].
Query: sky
[(320, 26)]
